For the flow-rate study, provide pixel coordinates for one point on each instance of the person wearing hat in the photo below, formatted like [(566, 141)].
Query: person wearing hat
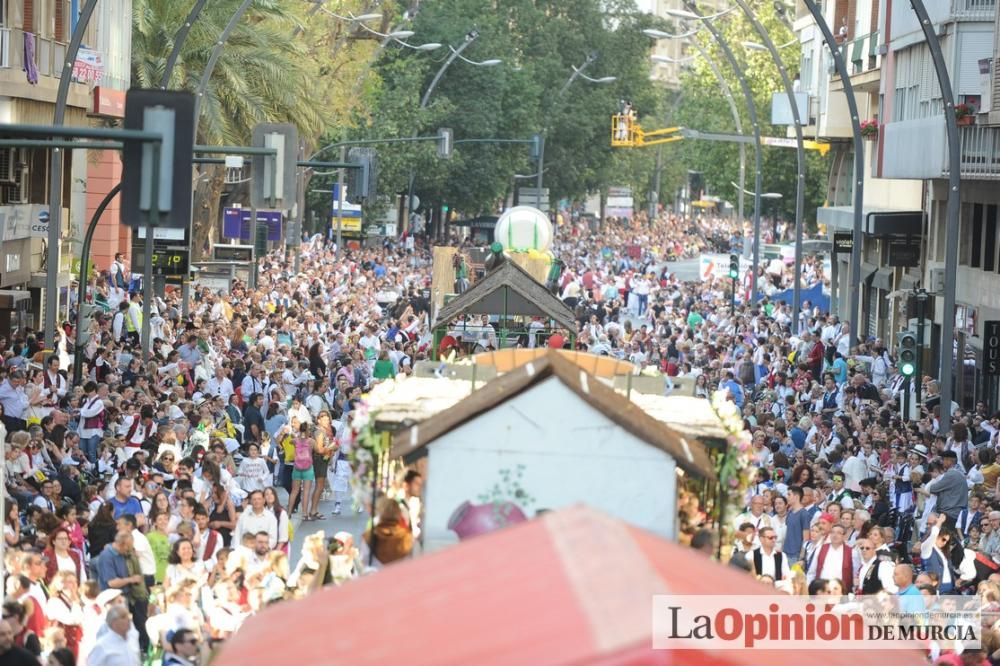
[(900, 485), (950, 488)]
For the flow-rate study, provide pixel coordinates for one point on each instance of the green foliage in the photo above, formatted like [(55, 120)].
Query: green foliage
[(259, 77), (704, 107), (539, 45)]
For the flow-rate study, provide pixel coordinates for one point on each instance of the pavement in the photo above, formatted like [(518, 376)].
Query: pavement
[(348, 521)]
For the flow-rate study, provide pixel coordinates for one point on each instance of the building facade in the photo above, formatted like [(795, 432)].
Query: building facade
[(34, 35), (859, 28), (913, 146)]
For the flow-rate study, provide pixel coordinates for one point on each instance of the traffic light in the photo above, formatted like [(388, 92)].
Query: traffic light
[(734, 266), (170, 113), (906, 354), (446, 142), (361, 184)]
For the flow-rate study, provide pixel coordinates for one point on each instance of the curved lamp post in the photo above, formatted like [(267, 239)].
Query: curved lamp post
[(800, 157), (456, 53), (953, 209), (55, 178), (578, 73), (727, 92), (859, 169), (755, 124)]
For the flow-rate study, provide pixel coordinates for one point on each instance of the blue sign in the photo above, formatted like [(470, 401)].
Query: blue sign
[(350, 210), (236, 223)]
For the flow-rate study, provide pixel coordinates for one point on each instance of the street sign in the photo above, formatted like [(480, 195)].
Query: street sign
[(236, 223), (903, 252), (528, 196), (170, 260), (991, 348), (274, 177), (843, 242), (240, 253), (171, 113)]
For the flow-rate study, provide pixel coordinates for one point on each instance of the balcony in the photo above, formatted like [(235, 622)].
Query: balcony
[(973, 10), (980, 152), (919, 149)]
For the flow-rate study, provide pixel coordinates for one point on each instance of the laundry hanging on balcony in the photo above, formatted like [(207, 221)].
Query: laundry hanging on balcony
[(30, 70)]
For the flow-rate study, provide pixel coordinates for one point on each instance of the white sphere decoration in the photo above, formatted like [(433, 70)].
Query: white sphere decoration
[(523, 228)]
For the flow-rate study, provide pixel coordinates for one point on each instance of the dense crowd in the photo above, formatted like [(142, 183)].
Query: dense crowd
[(153, 507)]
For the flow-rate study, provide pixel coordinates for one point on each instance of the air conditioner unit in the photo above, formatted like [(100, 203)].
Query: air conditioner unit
[(15, 192), (936, 280)]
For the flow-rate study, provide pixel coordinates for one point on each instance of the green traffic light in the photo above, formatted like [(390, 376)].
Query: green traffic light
[(907, 369)]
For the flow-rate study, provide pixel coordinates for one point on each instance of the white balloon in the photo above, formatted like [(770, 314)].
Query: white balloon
[(524, 228)]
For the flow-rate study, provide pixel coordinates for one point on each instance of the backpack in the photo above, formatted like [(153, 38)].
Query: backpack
[(303, 454)]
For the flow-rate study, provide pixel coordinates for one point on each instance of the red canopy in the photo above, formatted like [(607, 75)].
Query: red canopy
[(572, 587)]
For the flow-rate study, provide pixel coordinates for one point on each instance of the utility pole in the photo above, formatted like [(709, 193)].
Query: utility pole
[(340, 202)]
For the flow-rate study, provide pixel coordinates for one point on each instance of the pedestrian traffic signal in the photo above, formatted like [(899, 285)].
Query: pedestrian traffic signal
[(906, 354), (734, 266)]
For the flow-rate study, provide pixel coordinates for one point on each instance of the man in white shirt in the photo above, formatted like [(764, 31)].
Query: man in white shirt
[(220, 384), (768, 560), (876, 570), (834, 560), (256, 519), (140, 544), (253, 382), (113, 648)]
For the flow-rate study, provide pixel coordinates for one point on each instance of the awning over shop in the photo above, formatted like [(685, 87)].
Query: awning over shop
[(841, 218), (867, 271), (883, 279), (909, 280)]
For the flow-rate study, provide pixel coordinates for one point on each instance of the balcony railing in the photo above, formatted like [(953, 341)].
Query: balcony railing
[(974, 10), (980, 152)]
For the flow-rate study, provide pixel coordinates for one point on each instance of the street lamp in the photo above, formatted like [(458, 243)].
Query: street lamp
[(859, 163), (692, 16), (456, 52), (755, 46), (755, 124), (800, 156), (730, 100)]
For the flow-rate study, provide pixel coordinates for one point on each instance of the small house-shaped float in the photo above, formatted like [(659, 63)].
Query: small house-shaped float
[(544, 436)]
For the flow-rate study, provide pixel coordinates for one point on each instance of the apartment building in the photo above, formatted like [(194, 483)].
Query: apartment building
[(34, 35), (913, 146), (859, 31)]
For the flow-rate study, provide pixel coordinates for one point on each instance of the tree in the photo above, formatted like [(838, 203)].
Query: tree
[(539, 44), (262, 76), (703, 107)]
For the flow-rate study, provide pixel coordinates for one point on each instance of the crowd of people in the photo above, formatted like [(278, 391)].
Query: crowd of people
[(151, 508)]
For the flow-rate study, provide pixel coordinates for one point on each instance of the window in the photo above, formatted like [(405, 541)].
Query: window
[(990, 244), (975, 261)]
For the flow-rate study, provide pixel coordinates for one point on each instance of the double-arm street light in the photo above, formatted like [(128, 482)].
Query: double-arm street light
[(800, 158), (727, 92), (578, 73), (456, 53), (754, 122)]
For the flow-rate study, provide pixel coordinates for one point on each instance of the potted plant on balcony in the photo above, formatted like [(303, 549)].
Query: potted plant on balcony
[(869, 129), (964, 115)]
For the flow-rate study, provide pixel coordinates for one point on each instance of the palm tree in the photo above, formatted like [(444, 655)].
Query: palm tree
[(261, 76)]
